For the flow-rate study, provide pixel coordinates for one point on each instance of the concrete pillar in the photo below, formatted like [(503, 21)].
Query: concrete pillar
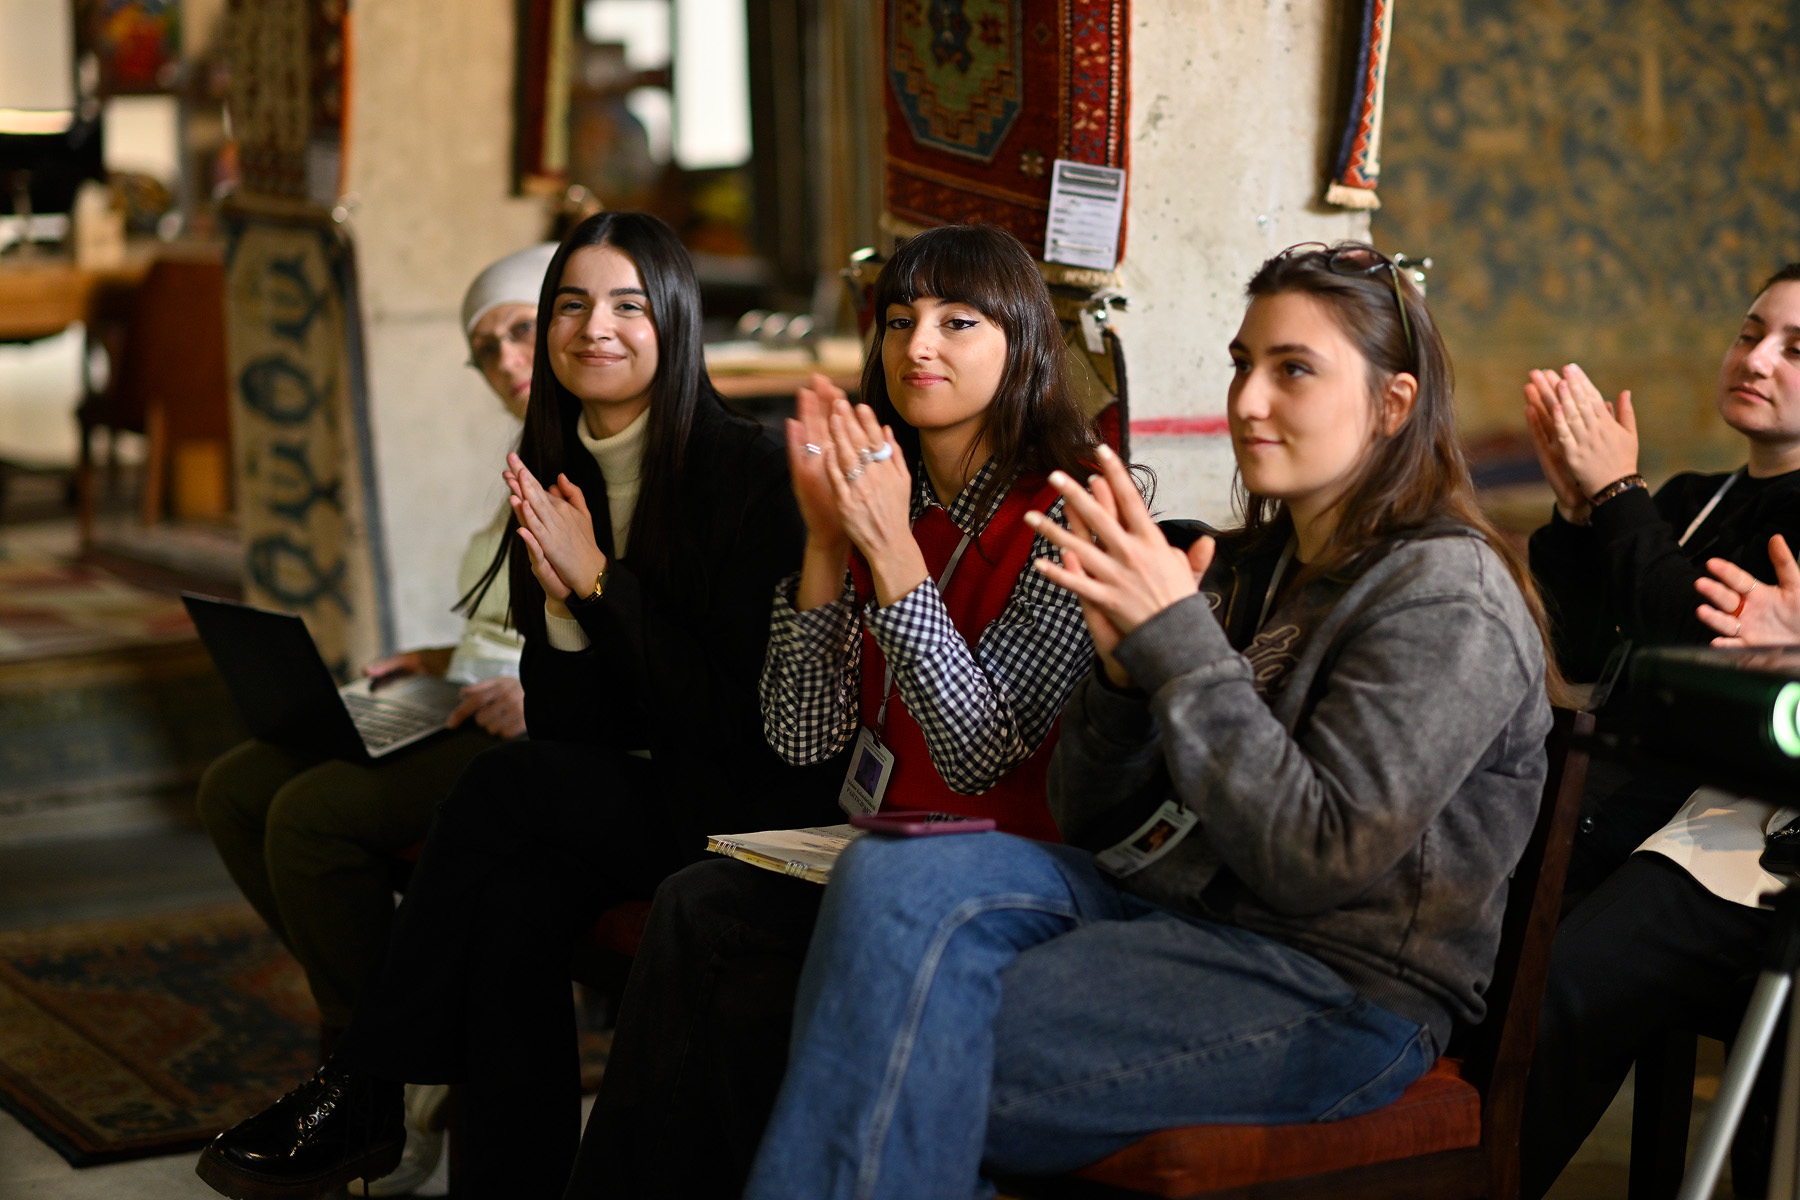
[(1233, 111), (429, 178)]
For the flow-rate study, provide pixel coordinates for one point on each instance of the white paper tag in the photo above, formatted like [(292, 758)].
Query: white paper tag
[(1149, 841), (1090, 332), (865, 783), (1087, 204)]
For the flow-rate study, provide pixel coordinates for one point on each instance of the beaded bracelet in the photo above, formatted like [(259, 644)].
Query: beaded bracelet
[(1618, 487)]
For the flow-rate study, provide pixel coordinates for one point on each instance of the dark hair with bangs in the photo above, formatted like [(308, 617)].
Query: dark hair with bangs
[(1417, 475), (678, 389), (1034, 423)]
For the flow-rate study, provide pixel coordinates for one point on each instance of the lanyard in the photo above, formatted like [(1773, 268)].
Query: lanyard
[(943, 585), (1710, 505), (1287, 556)]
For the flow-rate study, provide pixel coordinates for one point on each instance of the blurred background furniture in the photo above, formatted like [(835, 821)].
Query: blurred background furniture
[(155, 365)]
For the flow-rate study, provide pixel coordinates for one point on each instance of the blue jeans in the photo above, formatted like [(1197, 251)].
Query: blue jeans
[(984, 1001)]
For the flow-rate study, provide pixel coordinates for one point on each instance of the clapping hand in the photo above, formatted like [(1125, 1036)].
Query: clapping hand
[(1743, 611), (1115, 558), (870, 483), (557, 530), (854, 489), (1571, 501), (1590, 442), (808, 431)]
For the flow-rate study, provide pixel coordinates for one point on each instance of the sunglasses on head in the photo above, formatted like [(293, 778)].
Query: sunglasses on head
[(1366, 260)]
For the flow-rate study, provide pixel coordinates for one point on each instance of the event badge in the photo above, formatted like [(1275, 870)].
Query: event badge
[(867, 780), (1149, 841)]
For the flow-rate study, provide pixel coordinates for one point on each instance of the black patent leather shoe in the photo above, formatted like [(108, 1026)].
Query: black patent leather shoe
[(337, 1126)]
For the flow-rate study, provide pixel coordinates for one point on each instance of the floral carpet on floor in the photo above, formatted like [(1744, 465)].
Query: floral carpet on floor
[(125, 1039), (49, 607)]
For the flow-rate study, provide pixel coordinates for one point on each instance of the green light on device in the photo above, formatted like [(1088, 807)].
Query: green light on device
[(1784, 721)]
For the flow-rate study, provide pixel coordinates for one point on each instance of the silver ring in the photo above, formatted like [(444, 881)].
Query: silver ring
[(852, 475), (812, 449), (882, 455), (1738, 630)]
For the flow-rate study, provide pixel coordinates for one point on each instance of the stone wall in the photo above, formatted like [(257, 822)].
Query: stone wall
[(1233, 120), (429, 178)]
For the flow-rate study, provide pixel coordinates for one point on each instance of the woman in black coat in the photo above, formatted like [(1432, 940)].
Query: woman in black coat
[(641, 574)]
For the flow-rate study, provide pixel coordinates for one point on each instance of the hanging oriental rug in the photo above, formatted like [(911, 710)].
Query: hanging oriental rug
[(984, 95), (1359, 151)]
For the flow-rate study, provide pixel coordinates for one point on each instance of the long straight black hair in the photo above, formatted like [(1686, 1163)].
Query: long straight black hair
[(1034, 422), (678, 390)]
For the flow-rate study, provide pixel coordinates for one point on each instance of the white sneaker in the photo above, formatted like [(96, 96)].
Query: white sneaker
[(426, 1115)]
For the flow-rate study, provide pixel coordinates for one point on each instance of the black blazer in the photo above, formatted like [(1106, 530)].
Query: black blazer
[(675, 670)]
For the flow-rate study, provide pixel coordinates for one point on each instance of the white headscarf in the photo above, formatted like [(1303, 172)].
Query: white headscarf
[(515, 279)]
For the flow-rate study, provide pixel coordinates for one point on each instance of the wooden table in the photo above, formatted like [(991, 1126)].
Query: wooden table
[(752, 385), (44, 295)]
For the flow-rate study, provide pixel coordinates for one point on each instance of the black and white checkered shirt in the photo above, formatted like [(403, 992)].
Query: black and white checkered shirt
[(982, 714)]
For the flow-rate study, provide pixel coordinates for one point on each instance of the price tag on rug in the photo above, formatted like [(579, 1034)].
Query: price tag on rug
[(1087, 204)]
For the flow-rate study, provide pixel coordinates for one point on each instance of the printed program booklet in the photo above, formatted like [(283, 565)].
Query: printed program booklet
[(803, 853)]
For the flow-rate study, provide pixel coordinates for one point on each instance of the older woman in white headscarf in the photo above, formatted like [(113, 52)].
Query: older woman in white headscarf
[(311, 840)]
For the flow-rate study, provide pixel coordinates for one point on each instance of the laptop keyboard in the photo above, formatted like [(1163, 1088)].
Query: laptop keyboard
[(382, 724)]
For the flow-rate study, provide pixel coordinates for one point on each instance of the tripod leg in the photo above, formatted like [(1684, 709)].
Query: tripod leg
[(1782, 1181), (1760, 1019)]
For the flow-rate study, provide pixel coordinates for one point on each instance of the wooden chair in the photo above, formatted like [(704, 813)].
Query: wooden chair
[(163, 342), (1453, 1135)]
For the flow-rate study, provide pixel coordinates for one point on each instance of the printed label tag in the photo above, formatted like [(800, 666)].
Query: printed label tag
[(865, 783), (1087, 204), (1149, 842)]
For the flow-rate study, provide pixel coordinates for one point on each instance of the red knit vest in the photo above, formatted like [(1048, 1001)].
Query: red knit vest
[(977, 595)]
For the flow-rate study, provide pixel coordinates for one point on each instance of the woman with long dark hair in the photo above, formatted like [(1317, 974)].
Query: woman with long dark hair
[(650, 526), (1293, 790), (915, 631)]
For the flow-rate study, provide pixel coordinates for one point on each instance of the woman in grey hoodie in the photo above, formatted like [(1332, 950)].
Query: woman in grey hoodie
[(1293, 789)]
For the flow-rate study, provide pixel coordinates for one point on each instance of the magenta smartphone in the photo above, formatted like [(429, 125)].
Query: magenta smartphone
[(908, 822)]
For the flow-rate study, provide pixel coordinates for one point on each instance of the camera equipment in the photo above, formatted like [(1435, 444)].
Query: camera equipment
[(1733, 714)]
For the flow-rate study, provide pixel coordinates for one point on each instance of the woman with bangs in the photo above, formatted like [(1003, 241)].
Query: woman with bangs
[(914, 625), (1293, 790)]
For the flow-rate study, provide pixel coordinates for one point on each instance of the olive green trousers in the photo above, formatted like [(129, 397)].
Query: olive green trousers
[(311, 842)]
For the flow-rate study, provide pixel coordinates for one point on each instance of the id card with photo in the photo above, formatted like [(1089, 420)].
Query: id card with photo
[(871, 764), (1149, 841)]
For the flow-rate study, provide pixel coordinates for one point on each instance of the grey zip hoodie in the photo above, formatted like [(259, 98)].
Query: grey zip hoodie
[(1366, 774)]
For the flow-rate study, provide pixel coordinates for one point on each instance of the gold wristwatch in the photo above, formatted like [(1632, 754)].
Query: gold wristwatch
[(599, 589)]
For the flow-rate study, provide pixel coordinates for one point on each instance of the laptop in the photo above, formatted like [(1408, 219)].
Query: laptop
[(280, 684)]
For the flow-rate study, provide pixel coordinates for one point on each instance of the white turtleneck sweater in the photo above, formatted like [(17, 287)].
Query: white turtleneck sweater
[(621, 459)]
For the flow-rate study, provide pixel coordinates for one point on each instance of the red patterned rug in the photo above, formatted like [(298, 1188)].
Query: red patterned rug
[(126, 1039), (983, 95), (51, 607)]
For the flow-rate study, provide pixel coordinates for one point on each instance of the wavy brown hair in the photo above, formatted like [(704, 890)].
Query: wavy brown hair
[(1034, 423), (1416, 476)]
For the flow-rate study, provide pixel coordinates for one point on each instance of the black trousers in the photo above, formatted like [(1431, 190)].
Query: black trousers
[(534, 841), (702, 1037), (1649, 951)]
